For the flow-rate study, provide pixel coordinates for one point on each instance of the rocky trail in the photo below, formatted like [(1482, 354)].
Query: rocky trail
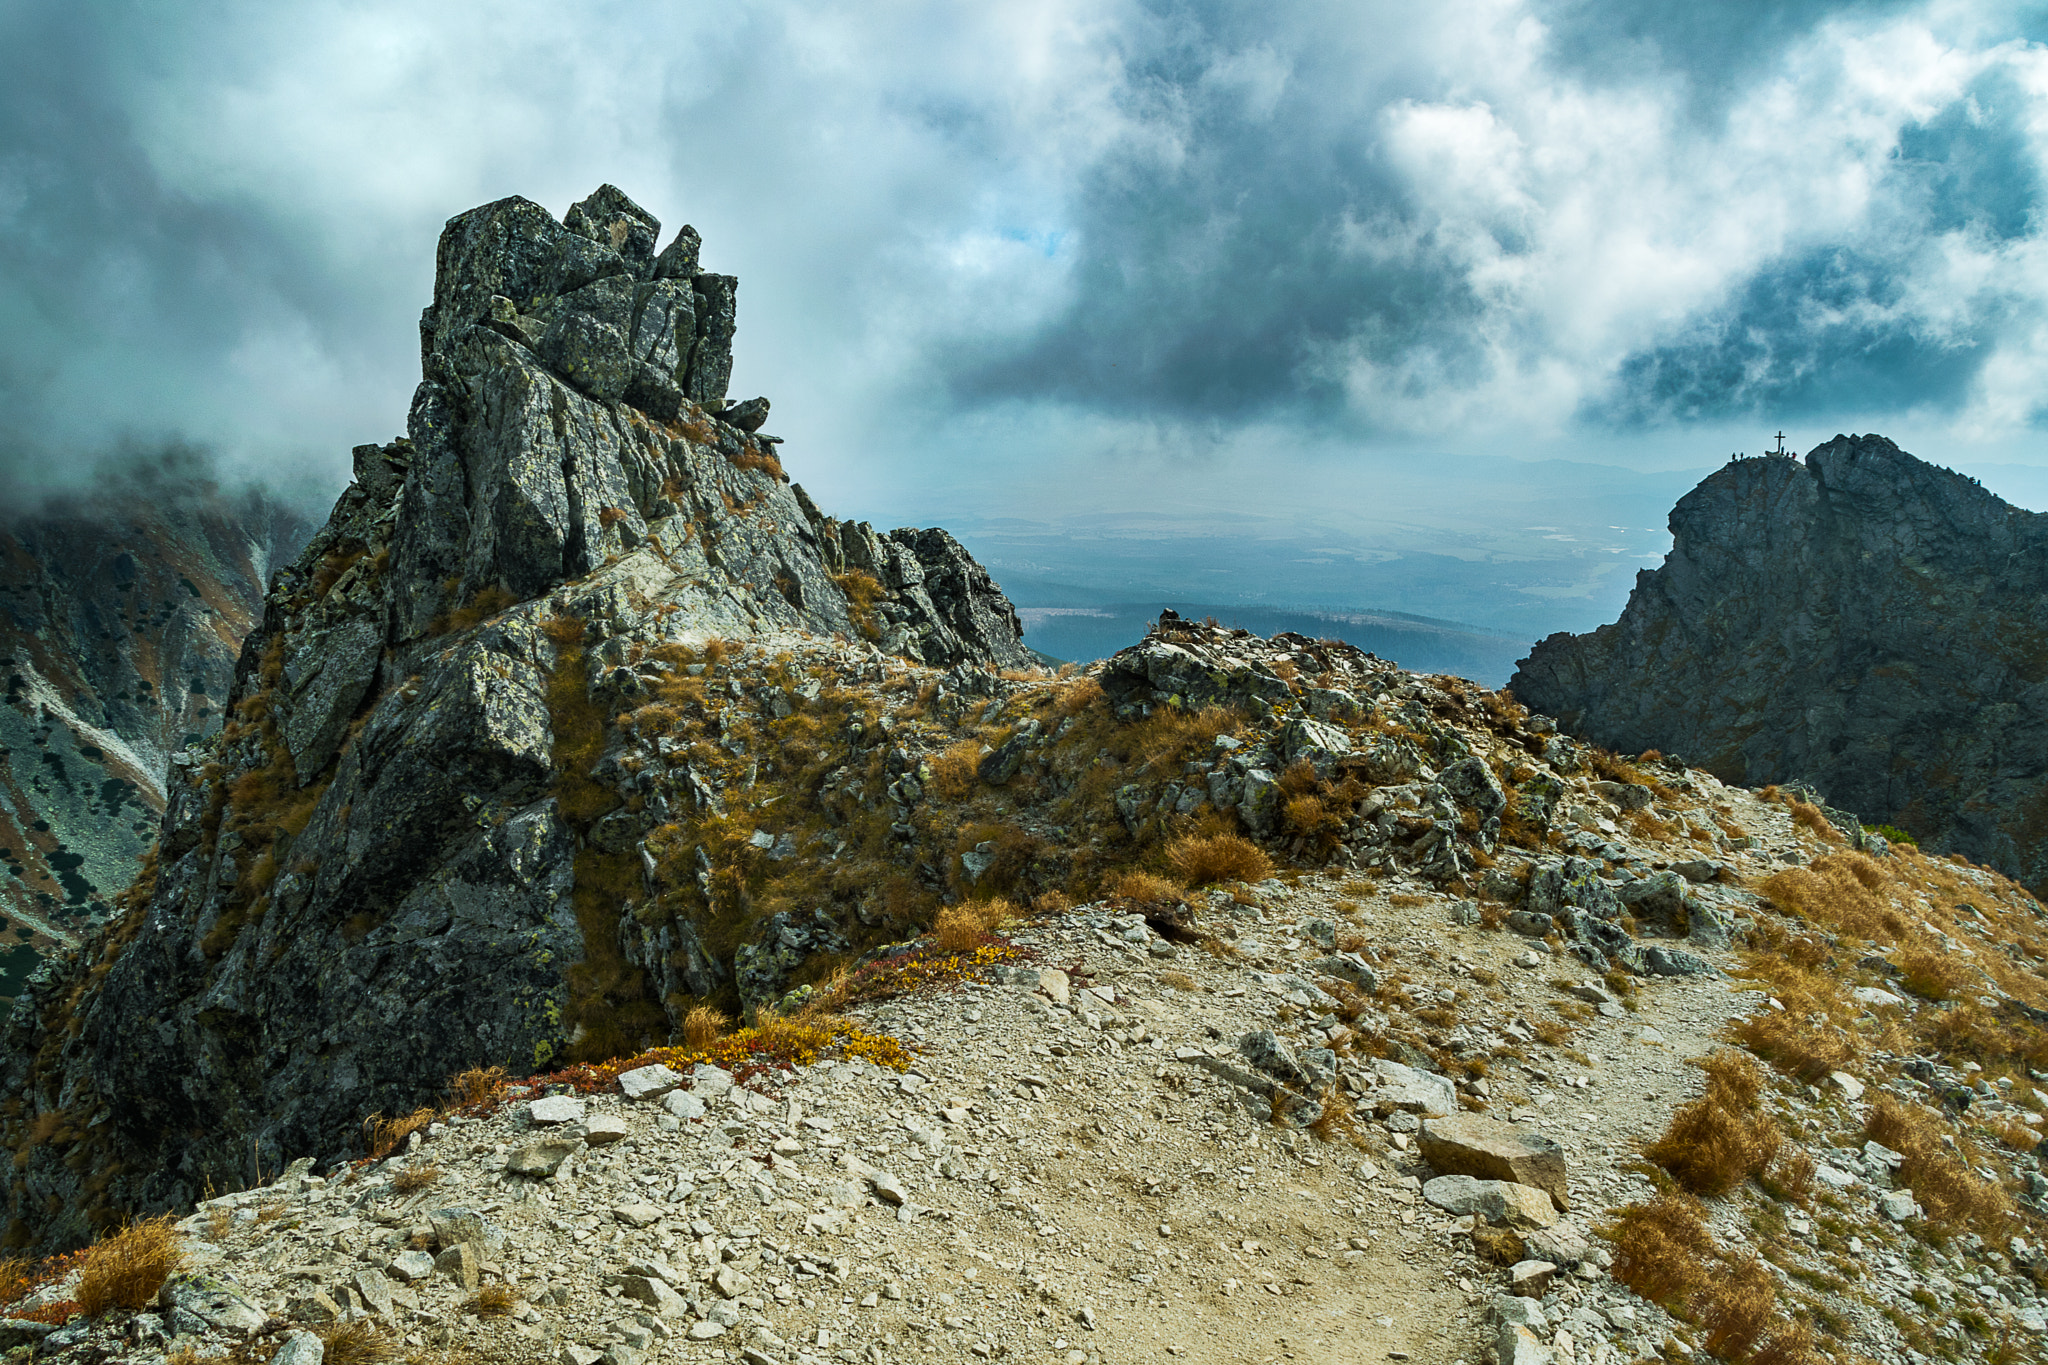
[(1079, 1165), (1059, 1177)]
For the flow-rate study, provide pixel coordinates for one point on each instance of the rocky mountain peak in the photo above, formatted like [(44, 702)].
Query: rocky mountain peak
[(1859, 620), (418, 842)]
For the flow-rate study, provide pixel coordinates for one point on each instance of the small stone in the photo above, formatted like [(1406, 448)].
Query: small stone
[(555, 1109), (314, 1306), (648, 1082), (1054, 984), (638, 1215), (601, 1130), (214, 1300), (459, 1264), (683, 1105), (1848, 1085), (705, 1330), (1519, 1346), (410, 1267), (710, 1081), (540, 1159), (651, 1291), (1898, 1206), (1529, 1279), (300, 1348), (1417, 1092), (730, 1283), (1497, 1201)]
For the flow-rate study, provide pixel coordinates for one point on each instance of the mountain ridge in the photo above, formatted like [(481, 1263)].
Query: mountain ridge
[(1860, 620)]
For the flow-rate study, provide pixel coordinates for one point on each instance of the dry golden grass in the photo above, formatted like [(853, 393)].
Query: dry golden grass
[(1147, 887), (704, 1025), (1180, 981), (415, 1179), (1932, 974), (1790, 1177), (1809, 815), (1846, 892), (1740, 1323), (863, 591), (476, 1085), (491, 1301), (1720, 1139), (382, 1135), (1942, 1184), (355, 1343), (955, 771), (1662, 1249), (127, 1269), (1201, 860), (964, 927)]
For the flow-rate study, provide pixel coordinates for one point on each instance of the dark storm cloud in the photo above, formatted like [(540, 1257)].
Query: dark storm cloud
[(1132, 224), (121, 298), (1388, 244), (1215, 265)]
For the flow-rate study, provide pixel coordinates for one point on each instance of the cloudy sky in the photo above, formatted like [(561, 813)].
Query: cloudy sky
[(1038, 256)]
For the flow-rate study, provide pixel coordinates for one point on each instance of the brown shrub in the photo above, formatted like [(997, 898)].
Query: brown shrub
[(1719, 1140), (127, 1269), (1146, 887), (1662, 1249), (415, 1179), (1202, 860), (703, 1026), (1791, 1176), (381, 1135), (1078, 695), (964, 927), (355, 1343), (1941, 1183), (1933, 975), (1739, 1320), (476, 1085), (1179, 981), (492, 1301), (955, 771), (1807, 814), (1842, 891), (863, 591)]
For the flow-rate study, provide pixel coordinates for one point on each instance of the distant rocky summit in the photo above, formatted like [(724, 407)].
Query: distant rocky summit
[(1862, 621), (122, 611)]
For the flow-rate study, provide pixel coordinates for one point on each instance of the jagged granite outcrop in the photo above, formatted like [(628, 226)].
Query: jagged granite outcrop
[(1860, 620), (122, 611), (414, 847)]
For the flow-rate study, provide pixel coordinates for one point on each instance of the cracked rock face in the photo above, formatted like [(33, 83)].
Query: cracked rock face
[(1859, 620), (366, 882)]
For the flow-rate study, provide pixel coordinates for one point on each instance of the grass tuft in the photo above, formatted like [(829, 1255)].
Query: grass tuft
[(704, 1025), (355, 1343), (964, 927), (1204, 860), (1719, 1140), (127, 1269)]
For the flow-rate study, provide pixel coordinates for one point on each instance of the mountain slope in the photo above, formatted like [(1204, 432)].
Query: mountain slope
[(121, 615), (1863, 621)]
